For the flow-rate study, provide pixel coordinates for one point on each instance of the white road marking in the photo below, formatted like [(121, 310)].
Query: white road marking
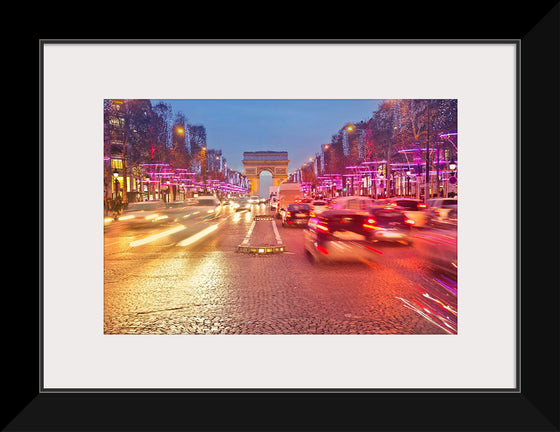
[(248, 236), (276, 233)]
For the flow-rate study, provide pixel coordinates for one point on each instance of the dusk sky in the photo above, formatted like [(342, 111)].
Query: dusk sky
[(298, 126)]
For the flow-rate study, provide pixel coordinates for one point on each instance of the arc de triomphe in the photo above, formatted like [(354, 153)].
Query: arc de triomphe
[(254, 163)]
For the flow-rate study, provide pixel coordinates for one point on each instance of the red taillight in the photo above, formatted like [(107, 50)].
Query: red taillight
[(409, 221), (322, 250), (322, 227), (421, 205), (370, 224), (288, 214)]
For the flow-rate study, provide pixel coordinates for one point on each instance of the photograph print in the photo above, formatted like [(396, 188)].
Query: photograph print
[(280, 216)]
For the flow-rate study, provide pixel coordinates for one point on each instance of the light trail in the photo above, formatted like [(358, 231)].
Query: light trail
[(185, 242), (154, 237), (198, 236)]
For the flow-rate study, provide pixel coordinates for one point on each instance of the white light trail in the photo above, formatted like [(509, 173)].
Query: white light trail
[(156, 236), (198, 236), (127, 217)]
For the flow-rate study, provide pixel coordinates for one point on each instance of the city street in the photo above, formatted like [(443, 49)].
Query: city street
[(179, 271)]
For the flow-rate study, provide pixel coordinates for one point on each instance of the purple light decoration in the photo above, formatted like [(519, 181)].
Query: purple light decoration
[(415, 150)]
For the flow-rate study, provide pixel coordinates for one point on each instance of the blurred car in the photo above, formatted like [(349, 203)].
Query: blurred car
[(361, 203), (254, 199), (442, 211), (262, 200), (208, 205), (140, 206), (242, 205), (415, 209), (390, 224), (296, 215), (319, 206), (438, 247), (143, 212), (339, 235)]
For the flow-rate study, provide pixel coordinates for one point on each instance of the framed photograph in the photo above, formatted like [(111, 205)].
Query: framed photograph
[(176, 280)]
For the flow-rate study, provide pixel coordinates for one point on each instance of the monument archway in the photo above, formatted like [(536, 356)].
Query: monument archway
[(254, 163)]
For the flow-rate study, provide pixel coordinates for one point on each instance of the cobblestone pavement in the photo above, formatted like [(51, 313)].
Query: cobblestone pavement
[(208, 287)]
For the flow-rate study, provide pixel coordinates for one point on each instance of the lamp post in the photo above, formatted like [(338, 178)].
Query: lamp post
[(203, 166), (408, 183), (148, 187), (426, 184), (116, 182), (453, 177)]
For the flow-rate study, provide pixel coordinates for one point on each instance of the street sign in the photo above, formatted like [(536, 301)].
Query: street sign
[(452, 180)]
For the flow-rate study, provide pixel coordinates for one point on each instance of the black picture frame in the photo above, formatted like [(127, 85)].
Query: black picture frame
[(534, 406)]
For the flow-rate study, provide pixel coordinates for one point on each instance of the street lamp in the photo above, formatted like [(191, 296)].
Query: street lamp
[(116, 181), (408, 182), (203, 166), (452, 179)]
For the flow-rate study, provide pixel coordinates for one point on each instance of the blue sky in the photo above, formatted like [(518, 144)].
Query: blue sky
[(298, 126)]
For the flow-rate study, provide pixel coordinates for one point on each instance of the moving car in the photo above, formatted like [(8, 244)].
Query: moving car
[(143, 212), (390, 224), (296, 215), (242, 205), (254, 199), (438, 247), (288, 192), (339, 236), (208, 205), (442, 211), (352, 203), (414, 209), (319, 206)]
